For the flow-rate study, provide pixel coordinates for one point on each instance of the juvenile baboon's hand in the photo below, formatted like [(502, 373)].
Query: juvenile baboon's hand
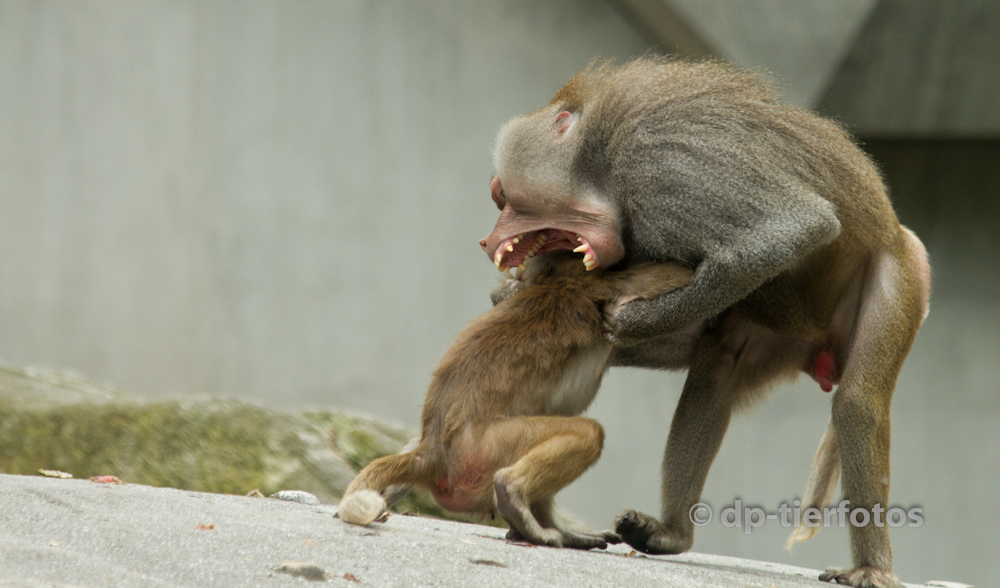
[(626, 322), (505, 290)]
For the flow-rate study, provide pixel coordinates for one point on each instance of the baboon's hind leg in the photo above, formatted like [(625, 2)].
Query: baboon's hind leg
[(553, 451), (893, 307)]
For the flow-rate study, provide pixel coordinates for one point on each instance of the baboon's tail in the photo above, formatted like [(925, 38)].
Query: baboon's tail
[(823, 478), (378, 485)]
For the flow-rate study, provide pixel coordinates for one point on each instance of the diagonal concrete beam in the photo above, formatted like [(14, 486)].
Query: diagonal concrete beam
[(801, 42)]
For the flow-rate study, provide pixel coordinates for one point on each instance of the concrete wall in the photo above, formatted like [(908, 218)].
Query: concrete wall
[(922, 68), (278, 200), (281, 201)]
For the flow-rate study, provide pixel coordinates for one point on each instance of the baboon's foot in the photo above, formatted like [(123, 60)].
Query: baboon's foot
[(648, 535), (580, 540), (523, 525), (570, 539), (863, 577), (515, 535)]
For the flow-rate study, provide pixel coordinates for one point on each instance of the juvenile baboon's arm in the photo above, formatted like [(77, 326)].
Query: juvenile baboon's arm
[(649, 280)]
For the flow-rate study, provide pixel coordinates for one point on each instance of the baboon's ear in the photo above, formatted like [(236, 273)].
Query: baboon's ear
[(563, 125)]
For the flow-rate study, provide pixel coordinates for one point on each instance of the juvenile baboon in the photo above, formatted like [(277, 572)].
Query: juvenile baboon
[(800, 265), (500, 431)]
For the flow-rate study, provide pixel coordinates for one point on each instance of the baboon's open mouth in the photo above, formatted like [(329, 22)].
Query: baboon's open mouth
[(514, 251)]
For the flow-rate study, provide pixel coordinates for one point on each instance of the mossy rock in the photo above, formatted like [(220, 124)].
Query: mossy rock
[(41, 386), (59, 420), (359, 439)]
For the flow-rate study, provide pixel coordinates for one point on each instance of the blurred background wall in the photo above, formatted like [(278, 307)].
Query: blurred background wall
[(281, 202)]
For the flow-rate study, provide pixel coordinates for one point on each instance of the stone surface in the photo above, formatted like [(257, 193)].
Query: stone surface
[(303, 569), (78, 533)]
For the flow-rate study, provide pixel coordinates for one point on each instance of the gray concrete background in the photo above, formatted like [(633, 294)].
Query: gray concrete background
[(280, 201)]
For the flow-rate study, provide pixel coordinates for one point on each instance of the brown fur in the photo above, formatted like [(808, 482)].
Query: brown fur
[(499, 428)]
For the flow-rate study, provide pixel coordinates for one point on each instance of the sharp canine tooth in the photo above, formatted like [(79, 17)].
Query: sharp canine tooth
[(580, 249), (588, 258), (516, 240), (510, 248)]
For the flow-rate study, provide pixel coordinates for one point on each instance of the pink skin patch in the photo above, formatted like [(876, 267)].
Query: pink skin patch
[(461, 490), (823, 370)]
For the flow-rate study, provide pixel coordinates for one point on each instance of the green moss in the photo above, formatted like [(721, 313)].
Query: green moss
[(216, 448), (358, 439), (55, 420)]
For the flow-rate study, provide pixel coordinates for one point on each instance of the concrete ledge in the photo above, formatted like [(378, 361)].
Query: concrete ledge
[(57, 532)]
